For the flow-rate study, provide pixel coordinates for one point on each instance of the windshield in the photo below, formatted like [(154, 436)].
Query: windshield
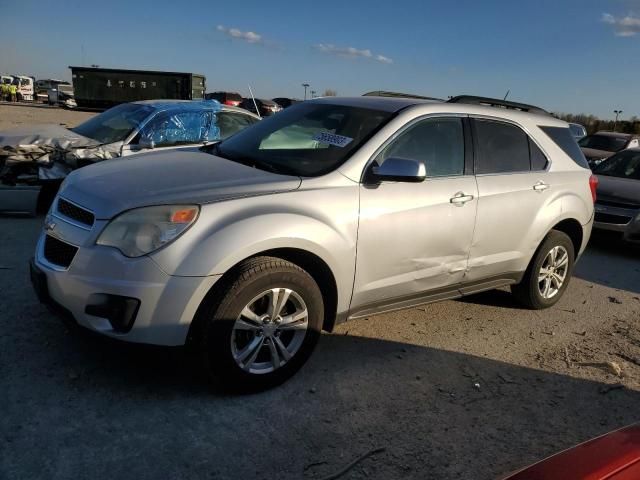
[(603, 142), (622, 165), (307, 139), (115, 124)]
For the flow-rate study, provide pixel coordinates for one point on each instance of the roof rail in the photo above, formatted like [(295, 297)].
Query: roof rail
[(382, 93), (496, 102)]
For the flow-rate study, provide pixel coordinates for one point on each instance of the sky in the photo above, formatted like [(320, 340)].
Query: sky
[(571, 56)]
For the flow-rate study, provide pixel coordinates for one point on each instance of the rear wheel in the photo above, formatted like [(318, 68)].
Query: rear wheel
[(548, 275), (261, 326)]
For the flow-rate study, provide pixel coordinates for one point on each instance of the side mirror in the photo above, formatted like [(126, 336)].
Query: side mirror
[(146, 142), (395, 169)]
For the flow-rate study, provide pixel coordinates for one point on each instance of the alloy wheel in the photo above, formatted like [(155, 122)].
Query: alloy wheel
[(553, 272), (269, 330)]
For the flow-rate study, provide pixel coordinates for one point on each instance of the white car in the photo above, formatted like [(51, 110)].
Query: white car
[(248, 247)]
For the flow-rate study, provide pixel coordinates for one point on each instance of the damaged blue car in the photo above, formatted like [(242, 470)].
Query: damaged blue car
[(34, 160)]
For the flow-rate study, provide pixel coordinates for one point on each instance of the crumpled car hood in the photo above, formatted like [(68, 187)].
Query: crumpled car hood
[(170, 177), (42, 134), (52, 150)]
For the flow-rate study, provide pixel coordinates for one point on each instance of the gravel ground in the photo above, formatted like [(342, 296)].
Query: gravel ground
[(473, 388)]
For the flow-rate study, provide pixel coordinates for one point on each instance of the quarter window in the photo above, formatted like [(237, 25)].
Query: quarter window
[(538, 160), (501, 148), (437, 142)]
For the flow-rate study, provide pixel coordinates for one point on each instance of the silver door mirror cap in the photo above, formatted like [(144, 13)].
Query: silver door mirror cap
[(398, 169)]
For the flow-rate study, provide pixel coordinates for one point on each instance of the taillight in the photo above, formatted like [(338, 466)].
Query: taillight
[(232, 103), (593, 185)]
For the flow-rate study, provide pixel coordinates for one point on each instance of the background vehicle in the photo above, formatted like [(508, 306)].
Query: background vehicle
[(226, 98), (61, 94), (265, 107), (286, 102), (618, 200), (25, 85), (602, 145), (248, 247), (614, 456), (42, 88), (102, 88), (578, 131), (124, 130)]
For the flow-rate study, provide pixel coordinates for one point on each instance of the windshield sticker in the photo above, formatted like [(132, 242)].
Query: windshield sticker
[(332, 139)]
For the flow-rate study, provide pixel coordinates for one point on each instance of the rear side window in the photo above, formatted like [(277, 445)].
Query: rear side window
[(501, 148), (538, 160), (562, 137)]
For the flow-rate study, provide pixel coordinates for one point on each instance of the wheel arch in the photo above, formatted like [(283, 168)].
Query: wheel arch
[(305, 259), (573, 229)]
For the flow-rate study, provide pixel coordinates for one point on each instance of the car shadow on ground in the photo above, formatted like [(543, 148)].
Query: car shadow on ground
[(77, 405)]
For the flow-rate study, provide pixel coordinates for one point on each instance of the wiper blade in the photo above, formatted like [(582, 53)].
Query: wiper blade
[(251, 162)]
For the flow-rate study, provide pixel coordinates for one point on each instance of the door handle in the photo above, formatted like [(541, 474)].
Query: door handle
[(540, 186), (459, 199)]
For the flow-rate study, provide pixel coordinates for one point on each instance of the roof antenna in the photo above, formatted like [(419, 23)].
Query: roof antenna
[(254, 101), (506, 94)]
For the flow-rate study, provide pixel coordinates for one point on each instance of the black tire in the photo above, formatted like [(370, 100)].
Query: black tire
[(527, 291), (218, 314)]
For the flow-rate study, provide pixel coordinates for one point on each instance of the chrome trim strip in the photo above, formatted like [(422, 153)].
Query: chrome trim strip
[(70, 220)]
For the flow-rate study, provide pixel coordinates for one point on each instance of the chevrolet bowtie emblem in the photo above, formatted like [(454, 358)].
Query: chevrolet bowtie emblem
[(49, 224)]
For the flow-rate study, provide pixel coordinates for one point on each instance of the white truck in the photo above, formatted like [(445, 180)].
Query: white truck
[(26, 90), (24, 84)]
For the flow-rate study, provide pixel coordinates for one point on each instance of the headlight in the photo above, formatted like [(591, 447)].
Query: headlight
[(144, 230)]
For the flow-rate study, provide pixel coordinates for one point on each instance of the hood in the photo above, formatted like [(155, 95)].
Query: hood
[(178, 176), (593, 154), (46, 134), (619, 190)]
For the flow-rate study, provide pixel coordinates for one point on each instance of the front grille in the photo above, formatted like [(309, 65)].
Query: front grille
[(74, 212), (614, 219), (58, 252), (610, 203)]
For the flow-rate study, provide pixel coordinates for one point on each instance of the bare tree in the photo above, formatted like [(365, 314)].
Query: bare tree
[(330, 93)]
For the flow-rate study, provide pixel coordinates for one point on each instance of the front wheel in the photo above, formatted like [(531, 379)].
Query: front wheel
[(261, 326), (548, 274)]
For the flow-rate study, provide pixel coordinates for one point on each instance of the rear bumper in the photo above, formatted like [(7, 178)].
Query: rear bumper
[(616, 219), (167, 304)]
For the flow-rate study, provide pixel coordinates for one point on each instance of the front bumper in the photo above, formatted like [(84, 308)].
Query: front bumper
[(618, 219), (167, 305)]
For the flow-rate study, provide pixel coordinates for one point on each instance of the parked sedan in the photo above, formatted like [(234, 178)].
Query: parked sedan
[(232, 99), (265, 108), (578, 131), (285, 102), (618, 195), (34, 156), (601, 145), (614, 456)]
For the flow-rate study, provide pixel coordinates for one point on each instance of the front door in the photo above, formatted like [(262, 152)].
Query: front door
[(415, 237)]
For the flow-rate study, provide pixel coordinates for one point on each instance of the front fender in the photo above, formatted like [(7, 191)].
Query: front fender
[(322, 222)]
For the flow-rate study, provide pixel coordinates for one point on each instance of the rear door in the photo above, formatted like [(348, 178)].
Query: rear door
[(513, 188)]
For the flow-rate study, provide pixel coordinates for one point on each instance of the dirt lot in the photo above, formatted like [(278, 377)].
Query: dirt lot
[(467, 389)]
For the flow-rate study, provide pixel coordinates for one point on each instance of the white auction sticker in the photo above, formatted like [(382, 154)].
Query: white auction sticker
[(332, 139)]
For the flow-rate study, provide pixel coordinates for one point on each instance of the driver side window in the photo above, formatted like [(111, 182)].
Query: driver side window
[(167, 130), (436, 142)]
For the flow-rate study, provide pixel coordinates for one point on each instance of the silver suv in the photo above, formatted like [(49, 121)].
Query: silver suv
[(333, 209)]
